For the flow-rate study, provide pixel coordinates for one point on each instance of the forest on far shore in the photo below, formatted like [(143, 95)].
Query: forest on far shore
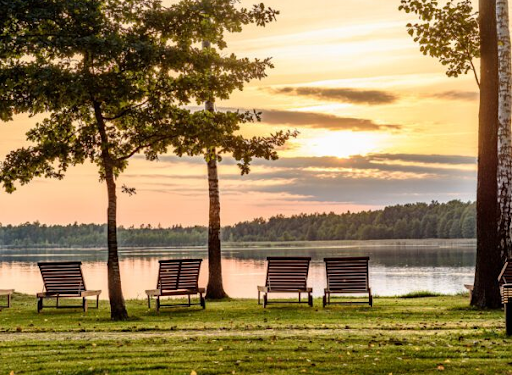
[(454, 219)]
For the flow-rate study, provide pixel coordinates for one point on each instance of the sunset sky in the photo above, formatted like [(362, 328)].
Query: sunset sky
[(379, 124)]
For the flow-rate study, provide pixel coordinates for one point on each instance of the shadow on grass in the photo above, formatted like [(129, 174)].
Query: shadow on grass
[(421, 294)]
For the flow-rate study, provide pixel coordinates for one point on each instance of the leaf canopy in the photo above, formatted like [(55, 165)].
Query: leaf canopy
[(117, 77)]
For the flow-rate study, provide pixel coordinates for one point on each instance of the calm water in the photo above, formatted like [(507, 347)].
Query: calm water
[(396, 267)]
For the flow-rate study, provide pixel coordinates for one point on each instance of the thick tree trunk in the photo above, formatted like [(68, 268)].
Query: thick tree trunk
[(215, 289), (504, 131), (117, 304), (488, 259)]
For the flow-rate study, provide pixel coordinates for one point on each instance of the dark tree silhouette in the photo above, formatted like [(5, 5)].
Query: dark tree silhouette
[(488, 259)]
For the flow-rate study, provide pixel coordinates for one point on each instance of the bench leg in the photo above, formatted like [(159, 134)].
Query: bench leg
[(149, 302), (97, 301), (259, 302), (39, 305), (84, 304), (8, 300), (202, 300), (310, 300), (158, 304), (508, 318), (299, 297), (189, 304)]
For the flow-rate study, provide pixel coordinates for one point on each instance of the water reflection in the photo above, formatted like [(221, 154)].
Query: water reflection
[(395, 268)]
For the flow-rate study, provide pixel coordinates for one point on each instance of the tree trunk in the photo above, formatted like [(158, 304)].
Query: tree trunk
[(504, 131), (115, 292), (215, 289), (488, 259)]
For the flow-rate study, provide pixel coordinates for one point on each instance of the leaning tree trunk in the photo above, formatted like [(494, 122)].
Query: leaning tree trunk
[(115, 292), (488, 259), (504, 131)]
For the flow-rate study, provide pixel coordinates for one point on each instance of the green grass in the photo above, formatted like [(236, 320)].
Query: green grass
[(399, 336)]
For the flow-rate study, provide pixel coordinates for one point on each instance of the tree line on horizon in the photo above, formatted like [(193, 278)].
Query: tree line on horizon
[(454, 219)]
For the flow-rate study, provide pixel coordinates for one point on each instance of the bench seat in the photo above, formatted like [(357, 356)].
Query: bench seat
[(64, 280), (347, 275), (177, 277), (286, 275), (184, 292), (85, 293)]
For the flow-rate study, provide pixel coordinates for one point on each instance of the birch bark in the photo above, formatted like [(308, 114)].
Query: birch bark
[(504, 130)]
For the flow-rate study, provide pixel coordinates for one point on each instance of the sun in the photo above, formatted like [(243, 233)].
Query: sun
[(344, 144)]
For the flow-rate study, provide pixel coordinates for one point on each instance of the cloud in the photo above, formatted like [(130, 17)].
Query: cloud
[(456, 95), (346, 95), (311, 119), (370, 161), (432, 159), (367, 97), (323, 121), (375, 179)]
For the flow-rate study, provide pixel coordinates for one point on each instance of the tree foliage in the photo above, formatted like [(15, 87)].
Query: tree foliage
[(95, 235), (449, 33), (454, 219), (114, 78)]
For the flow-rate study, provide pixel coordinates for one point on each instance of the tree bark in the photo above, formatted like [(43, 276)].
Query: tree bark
[(115, 292), (504, 131), (488, 259), (215, 289)]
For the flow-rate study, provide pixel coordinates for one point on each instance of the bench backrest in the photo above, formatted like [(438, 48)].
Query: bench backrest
[(347, 273), (505, 276), (62, 277), (287, 272), (177, 274)]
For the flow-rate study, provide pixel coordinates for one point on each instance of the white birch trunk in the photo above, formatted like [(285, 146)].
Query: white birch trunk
[(504, 130)]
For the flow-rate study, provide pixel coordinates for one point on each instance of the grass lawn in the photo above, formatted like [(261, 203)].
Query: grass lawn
[(396, 336)]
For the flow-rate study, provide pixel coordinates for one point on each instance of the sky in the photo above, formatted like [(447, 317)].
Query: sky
[(380, 124)]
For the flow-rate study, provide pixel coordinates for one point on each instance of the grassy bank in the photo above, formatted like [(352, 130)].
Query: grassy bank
[(397, 335)]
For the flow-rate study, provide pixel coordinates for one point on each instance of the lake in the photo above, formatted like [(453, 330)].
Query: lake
[(396, 267)]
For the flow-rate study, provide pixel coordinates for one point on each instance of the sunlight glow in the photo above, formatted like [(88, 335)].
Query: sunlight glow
[(344, 144)]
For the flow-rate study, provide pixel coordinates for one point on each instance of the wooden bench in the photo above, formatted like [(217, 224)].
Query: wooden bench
[(347, 275), (505, 282), (286, 275), (505, 276), (8, 293), (177, 277), (64, 280)]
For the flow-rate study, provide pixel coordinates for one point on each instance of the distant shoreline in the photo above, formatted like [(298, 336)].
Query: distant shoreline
[(321, 244)]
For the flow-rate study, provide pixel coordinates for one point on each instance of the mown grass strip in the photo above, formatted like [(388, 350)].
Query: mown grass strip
[(399, 336)]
